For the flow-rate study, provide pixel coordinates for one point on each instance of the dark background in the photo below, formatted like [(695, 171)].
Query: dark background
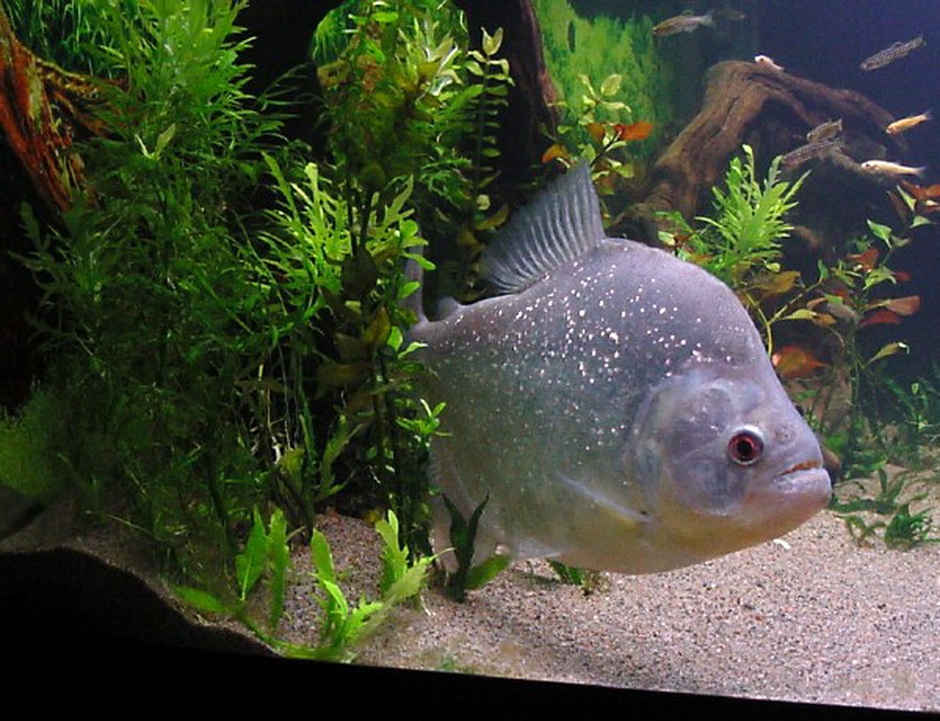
[(826, 41)]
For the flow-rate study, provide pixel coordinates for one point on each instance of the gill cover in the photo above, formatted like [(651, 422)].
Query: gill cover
[(703, 437)]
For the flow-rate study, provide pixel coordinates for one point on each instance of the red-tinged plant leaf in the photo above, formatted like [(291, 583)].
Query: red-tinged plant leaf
[(697, 258), (866, 260), (821, 319), (795, 362), (880, 317), (919, 192), (908, 305), (634, 131), (554, 152), (596, 130), (927, 206), (915, 190), (902, 276)]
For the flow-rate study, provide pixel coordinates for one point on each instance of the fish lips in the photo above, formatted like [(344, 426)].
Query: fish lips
[(792, 496)]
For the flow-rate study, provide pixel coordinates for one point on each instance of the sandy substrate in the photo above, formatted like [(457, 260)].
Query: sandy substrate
[(812, 618)]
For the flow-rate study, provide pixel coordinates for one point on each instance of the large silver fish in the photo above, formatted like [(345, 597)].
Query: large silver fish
[(615, 403)]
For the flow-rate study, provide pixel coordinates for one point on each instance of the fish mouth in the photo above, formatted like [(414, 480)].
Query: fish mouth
[(788, 499), (804, 466), (807, 478)]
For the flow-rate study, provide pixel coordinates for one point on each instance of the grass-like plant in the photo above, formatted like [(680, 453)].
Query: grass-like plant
[(468, 576), (63, 31), (27, 449), (888, 512), (264, 565), (343, 626), (265, 556), (148, 303)]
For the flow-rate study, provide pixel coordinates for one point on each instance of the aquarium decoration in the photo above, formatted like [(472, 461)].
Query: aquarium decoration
[(750, 102), (583, 54)]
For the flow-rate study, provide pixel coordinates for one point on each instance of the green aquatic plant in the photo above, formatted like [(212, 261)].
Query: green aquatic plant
[(263, 566), (343, 625), (741, 242), (68, 32), (468, 576), (147, 301), (325, 278), (917, 412), (265, 556), (582, 54), (891, 510), (614, 97), (413, 113), (749, 224), (606, 145), (588, 580), (27, 448), (209, 357), (408, 96)]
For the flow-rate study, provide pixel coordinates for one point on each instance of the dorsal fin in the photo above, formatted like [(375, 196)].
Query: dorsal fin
[(562, 223)]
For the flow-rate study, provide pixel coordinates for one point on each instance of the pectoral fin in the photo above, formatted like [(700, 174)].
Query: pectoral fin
[(604, 502)]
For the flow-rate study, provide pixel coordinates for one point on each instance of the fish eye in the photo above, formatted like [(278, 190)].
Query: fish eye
[(746, 446)]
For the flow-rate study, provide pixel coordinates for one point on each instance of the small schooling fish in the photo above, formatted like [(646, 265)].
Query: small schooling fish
[(767, 62), (824, 131), (687, 22), (684, 23), (613, 404), (900, 126), (893, 52), (885, 167), (806, 152)]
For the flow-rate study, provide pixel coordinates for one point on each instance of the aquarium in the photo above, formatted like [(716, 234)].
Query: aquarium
[(587, 343)]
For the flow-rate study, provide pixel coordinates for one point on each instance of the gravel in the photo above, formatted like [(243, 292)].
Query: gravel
[(812, 617)]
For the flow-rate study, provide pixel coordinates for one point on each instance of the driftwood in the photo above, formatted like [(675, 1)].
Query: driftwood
[(772, 111), (43, 109)]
